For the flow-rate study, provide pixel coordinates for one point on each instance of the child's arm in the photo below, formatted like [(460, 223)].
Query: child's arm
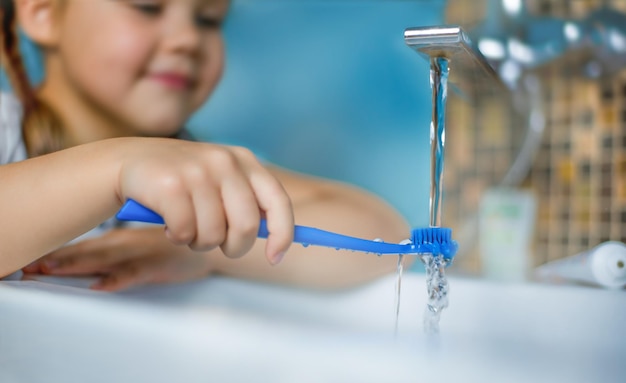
[(209, 196), (130, 257)]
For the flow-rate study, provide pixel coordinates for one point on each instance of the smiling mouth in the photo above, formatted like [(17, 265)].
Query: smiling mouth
[(173, 81)]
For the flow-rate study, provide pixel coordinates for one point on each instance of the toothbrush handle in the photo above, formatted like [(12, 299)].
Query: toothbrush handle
[(306, 235), (134, 211)]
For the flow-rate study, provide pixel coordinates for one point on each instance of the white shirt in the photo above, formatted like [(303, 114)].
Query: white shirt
[(12, 148)]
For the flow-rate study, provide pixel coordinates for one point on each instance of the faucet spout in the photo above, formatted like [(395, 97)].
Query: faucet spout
[(452, 43)]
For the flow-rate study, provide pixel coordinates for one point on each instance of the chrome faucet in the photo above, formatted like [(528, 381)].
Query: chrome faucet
[(468, 66)]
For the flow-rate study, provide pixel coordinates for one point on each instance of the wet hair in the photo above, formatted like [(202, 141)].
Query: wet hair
[(41, 129)]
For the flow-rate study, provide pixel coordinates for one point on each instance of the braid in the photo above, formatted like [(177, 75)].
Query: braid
[(41, 129)]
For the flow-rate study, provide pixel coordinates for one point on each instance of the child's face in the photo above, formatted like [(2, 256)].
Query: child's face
[(145, 63)]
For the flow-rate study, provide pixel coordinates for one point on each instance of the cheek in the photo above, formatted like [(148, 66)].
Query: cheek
[(105, 63), (211, 69)]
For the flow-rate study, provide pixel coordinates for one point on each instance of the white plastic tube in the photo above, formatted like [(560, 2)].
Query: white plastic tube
[(604, 265)]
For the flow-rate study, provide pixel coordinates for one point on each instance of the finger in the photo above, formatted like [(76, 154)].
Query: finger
[(276, 205), (67, 256), (77, 266), (242, 214), (176, 208), (127, 275), (50, 262), (155, 270), (210, 218), (33, 268), (97, 254)]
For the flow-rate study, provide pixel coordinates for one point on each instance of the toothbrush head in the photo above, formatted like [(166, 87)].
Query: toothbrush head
[(435, 240)]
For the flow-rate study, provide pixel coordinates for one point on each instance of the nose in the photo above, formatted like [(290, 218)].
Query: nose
[(182, 34)]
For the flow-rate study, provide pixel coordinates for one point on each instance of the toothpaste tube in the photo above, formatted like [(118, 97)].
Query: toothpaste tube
[(604, 265)]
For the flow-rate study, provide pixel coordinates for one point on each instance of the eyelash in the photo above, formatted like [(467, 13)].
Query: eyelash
[(148, 8), (201, 21), (208, 22)]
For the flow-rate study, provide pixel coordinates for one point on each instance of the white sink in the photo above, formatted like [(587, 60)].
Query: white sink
[(223, 330)]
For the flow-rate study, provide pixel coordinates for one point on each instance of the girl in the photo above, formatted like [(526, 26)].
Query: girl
[(120, 68)]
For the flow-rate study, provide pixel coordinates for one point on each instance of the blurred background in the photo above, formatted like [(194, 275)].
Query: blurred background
[(533, 173)]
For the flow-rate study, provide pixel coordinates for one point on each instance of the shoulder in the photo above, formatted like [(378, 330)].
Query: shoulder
[(12, 147)]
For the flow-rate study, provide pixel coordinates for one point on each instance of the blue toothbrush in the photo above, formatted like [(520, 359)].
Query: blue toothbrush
[(432, 240)]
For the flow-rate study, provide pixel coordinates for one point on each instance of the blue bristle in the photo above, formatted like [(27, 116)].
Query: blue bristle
[(436, 240)]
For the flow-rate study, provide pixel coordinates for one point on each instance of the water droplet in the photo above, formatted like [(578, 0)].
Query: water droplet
[(378, 240), (305, 244)]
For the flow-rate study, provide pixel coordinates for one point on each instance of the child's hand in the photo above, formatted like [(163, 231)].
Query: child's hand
[(209, 195), (125, 258)]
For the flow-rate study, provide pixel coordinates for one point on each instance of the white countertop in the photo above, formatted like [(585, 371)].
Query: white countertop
[(224, 330)]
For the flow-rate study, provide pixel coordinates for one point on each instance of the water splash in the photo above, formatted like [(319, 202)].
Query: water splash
[(437, 288)]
